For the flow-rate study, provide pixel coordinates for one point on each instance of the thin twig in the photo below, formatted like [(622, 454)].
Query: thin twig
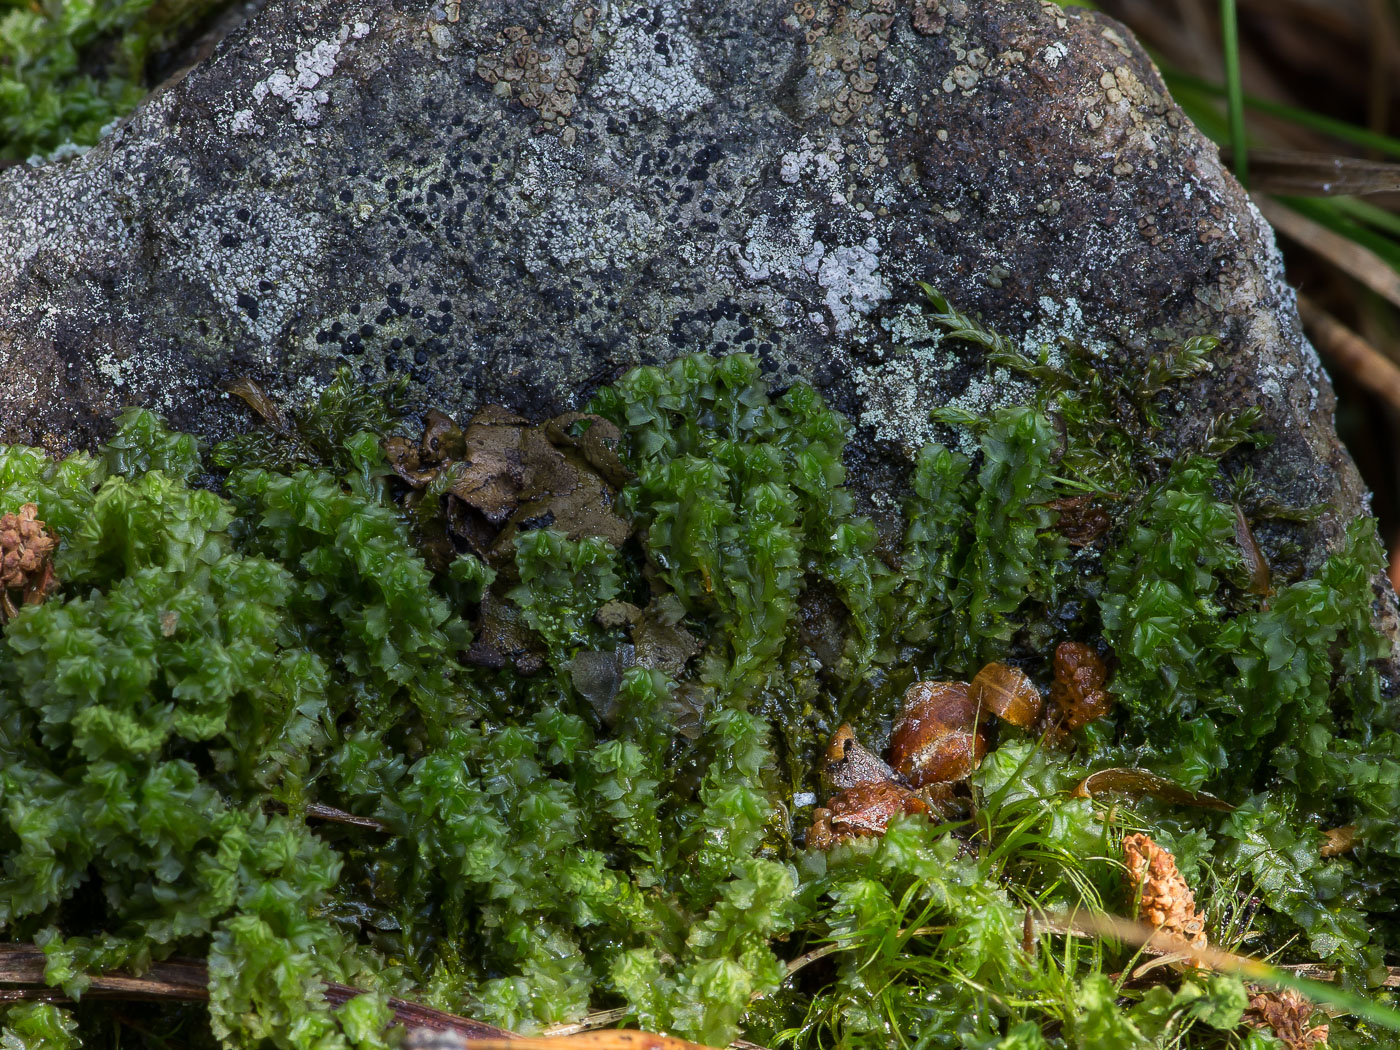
[(187, 980), (835, 946), (317, 811), (597, 1019), (1301, 173), (1349, 352), (815, 954), (332, 815)]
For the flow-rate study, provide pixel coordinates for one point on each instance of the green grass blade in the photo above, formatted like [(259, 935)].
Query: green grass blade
[(1184, 83), (1230, 36), (1325, 211), (1368, 214)]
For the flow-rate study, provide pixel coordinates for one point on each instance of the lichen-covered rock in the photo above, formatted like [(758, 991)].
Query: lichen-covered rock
[(515, 201)]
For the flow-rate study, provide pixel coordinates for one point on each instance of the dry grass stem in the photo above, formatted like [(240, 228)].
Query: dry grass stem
[(1355, 259), (1350, 353)]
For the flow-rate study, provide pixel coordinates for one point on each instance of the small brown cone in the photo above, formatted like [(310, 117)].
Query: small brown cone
[(26, 559), (1288, 1014), (1165, 900)]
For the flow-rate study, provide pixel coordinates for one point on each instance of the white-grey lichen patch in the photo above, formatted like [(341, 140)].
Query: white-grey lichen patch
[(299, 86), (781, 252), (808, 162), (255, 255), (850, 275), (1058, 321), (74, 218), (774, 250), (1054, 54), (560, 225), (895, 391), (658, 69)]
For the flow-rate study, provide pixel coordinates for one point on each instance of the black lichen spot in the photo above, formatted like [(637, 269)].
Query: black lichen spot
[(346, 196), (543, 521), (248, 304)]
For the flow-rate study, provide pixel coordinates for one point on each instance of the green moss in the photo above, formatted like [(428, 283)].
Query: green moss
[(217, 661), (68, 68)]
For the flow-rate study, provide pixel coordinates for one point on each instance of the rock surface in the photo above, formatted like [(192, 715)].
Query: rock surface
[(516, 200)]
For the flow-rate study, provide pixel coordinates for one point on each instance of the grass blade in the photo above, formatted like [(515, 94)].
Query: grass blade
[(1230, 37)]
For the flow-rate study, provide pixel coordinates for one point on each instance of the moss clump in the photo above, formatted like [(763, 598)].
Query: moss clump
[(68, 68), (216, 663)]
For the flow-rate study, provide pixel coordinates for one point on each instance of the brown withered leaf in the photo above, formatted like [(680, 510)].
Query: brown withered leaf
[(616, 613), (442, 437), (597, 675), (937, 738), (406, 460), (493, 467), (256, 398), (1254, 561), (1080, 521), (501, 475), (430, 530), (597, 438), (662, 641), (1339, 840), (847, 763), (489, 483), (861, 810), (502, 637), (468, 524), (1008, 693), (1139, 782)]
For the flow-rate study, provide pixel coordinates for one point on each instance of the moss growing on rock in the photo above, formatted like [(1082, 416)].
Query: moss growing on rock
[(217, 662), (69, 68)]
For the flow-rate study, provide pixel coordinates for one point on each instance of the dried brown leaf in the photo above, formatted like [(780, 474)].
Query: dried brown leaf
[(1139, 782)]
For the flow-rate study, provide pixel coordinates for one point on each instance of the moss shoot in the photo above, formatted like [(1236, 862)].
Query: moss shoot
[(69, 68), (623, 827)]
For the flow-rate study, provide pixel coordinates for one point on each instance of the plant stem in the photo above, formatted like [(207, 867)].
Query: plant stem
[(1230, 34)]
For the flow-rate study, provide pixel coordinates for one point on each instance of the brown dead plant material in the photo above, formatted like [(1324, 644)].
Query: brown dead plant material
[(1077, 693), (1346, 350), (609, 1039), (1351, 258), (862, 811), (1288, 1013), (26, 560), (1137, 783), (187, 980), (500, 474), (1338, 841), (1080, 520), (1165, 901)]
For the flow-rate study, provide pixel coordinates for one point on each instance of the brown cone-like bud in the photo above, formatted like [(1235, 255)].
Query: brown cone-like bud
[(26, 558), (1289, 1014), (1165, 900), (1077, 695)]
